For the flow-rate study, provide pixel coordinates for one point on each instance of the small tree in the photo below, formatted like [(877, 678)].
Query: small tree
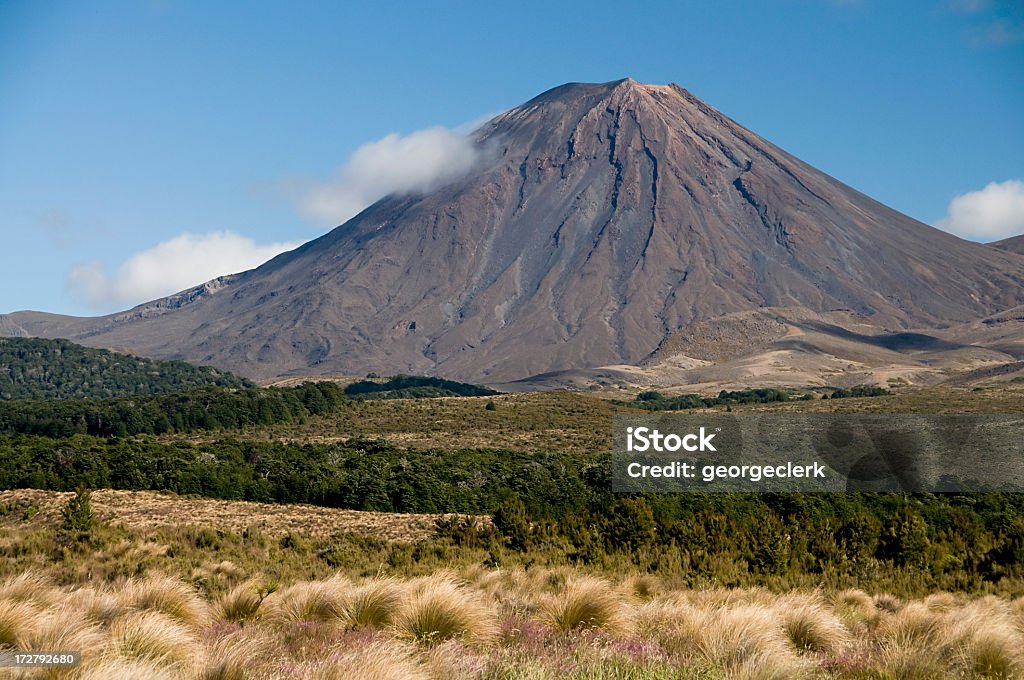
[(510, 519), (77, 513), (630, 525)]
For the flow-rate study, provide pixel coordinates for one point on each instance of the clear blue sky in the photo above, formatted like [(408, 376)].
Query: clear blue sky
[(124, 125)]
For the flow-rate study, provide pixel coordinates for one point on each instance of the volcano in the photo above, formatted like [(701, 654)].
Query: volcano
[(602, 219)]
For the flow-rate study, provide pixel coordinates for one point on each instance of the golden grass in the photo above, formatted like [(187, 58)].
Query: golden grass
[(505, 624), (168, 596), (440, 609), (240, 604), (812, 627), (16, 618), (747, 640), (855, 606), (320, 601), (374, 604), (587, 603), (150, 509), (154, 637), (126, 669)]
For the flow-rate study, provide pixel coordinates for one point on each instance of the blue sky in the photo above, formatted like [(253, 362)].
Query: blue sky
[(144, 143)]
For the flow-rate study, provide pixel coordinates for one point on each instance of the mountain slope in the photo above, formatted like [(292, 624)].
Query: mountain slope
[(1014, 244), (603, 218)]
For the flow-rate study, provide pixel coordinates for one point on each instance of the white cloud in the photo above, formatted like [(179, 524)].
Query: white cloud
[(169, 267), (989, 214), (417, 162)]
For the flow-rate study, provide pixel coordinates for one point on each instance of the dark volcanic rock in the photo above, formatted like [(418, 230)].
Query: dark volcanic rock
[(605, 217)]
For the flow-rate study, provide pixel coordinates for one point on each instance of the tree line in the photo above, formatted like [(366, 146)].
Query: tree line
[(562, 504), (208, 408), (36, 368)]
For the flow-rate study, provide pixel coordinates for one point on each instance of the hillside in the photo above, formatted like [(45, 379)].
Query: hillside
[(601, 219), (1014, 244), (34, 368)]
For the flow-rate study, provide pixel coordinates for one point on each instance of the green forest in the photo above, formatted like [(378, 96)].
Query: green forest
[(560, 506), (206, 408), (34, 368), (656, 401), (415, 387)]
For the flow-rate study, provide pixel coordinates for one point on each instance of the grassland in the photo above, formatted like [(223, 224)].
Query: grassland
[(162, 586), (148, 509), (510, 624), (573, 422)]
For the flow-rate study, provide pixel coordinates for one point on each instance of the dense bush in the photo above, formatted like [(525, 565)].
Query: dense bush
[(563, 504), (34, 368), (415, 387), (199, 409), (859, 391), (656, 401)]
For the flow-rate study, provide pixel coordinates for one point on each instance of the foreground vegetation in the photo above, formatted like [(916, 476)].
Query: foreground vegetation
[(34, 368), (189, 601), (510, 624)]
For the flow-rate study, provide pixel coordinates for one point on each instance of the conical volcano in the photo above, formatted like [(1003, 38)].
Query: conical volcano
[(601, 219)]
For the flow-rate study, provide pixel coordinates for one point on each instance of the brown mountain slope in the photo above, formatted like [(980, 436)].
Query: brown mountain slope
[(1015, 244), (606, 217)]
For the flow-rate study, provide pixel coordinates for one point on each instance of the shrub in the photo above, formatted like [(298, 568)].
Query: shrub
[(77, 514)]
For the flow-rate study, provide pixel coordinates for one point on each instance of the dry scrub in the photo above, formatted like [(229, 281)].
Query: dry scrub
[(148, 509), (503, 625)]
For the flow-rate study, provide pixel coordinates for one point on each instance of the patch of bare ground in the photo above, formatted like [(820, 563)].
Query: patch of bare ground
[(149, 509)]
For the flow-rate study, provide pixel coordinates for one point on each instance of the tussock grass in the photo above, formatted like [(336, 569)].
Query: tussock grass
[(641, 586), (376, 662), (98, 606), (440, 609), (167, 596), (587, 603), (126, 669), (61, 628), (913, 626), (811, 627), (28, 587), (887, 603), (321, 601), (984, 640), (504, 624), (942, 602), (154, 637), (240, 604), (374, 604), (230, 658), (17, 618), (748, 641), (855, 606)]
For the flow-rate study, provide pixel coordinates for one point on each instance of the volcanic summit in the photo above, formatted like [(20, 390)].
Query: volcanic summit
[(601, 220)]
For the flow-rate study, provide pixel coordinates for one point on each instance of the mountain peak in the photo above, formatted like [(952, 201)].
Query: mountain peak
[(607, 217)]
